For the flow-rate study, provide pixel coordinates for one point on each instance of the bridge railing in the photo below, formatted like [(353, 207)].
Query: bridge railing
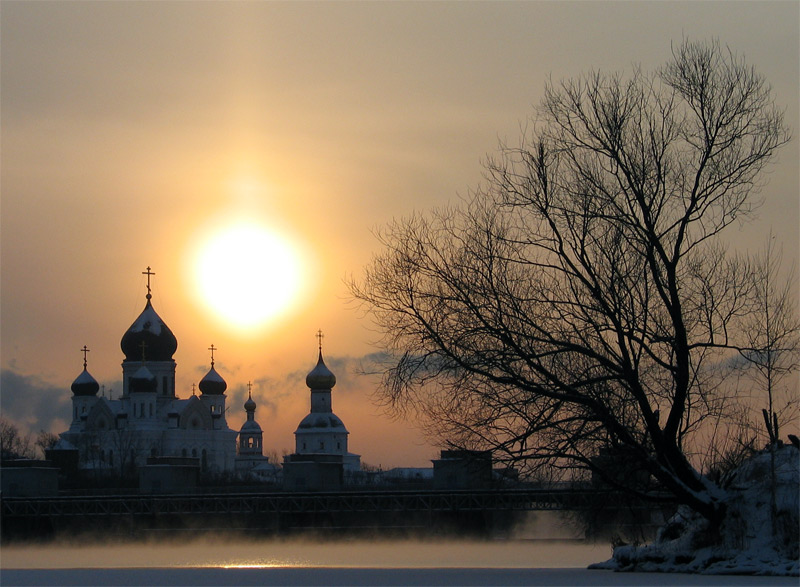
[(294, 503)]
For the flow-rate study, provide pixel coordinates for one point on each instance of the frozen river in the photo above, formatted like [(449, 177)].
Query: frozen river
[(330, 562)]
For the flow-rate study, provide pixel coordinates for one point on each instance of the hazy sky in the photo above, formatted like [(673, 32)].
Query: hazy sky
[(132, 131)]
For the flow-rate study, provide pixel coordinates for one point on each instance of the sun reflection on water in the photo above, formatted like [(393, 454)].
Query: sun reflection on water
[(544, 543), (270, 554)]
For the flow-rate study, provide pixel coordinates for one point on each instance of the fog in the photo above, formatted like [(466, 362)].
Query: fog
[(295, 552), (333, 561), (539, 539)]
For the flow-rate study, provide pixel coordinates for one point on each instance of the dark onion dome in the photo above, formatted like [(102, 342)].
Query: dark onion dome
[(159, 342), (320, 376), (85, 384), (212, 383), (321, 423), (250, 405), (143, 381)]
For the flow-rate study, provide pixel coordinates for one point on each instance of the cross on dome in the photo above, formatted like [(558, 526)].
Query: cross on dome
[(84, 350), (212, 348), (148, 273), (320, 336)]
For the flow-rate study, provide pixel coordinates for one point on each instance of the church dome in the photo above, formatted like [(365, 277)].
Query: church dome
[(159, 342), (213, 383), (143, 381), (250, 426), (321, 423), (320, 376), (250, 405), (85, 384)]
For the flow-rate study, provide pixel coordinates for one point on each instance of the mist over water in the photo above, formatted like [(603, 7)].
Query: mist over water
[(339, 553), (541, 540)]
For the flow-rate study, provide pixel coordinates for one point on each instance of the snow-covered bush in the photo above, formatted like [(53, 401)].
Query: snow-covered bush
[(745, 542)]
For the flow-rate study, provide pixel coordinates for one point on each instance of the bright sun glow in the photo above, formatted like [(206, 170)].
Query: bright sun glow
[(247, 275)]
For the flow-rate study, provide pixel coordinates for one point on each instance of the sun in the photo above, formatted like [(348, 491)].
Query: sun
[(247, 274)]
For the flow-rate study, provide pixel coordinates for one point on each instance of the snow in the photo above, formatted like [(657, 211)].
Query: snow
[(147, 321), (745, 544), (366, 576), (84, 377)]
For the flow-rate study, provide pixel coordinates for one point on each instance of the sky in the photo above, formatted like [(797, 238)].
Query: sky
[(133, 133)]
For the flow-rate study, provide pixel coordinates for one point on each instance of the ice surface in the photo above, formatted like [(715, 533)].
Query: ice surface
[(364, 576)]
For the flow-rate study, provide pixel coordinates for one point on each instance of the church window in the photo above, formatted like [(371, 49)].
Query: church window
[(339, 445), (83, 409), (204, 460), (304, 446), (151, 410), (164, 385), (194, 453), (111, 458), (321, 445)]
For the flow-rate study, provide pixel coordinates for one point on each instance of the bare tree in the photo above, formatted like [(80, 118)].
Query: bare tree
[(45, 440), (124, 444), (581, 301), (13, 443), (772, 337)]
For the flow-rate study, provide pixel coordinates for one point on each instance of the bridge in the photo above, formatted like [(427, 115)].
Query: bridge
[(280, 511)]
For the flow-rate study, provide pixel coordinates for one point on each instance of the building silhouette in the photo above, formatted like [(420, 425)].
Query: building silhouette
[(321, 457), (150, 426), (149, 420)]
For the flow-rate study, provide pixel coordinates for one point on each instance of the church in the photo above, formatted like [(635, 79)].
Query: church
[(149, 421)]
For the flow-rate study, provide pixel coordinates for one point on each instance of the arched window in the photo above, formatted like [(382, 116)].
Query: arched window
[(194, 453)]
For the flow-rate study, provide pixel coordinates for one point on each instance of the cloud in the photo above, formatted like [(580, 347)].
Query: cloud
[(34, 404)]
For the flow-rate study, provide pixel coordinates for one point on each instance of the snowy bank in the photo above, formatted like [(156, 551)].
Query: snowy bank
[(745, 544)]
